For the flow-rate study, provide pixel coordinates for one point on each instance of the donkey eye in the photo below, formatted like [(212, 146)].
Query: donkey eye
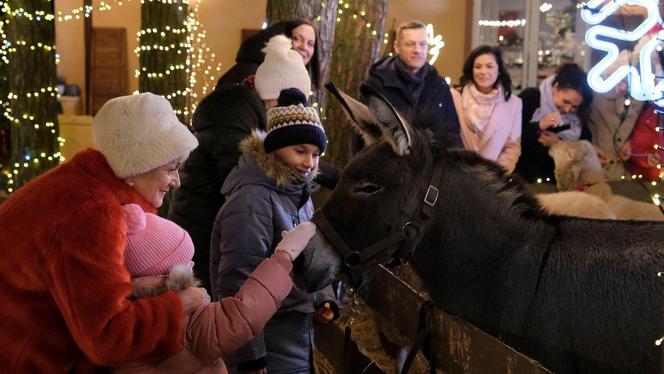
[(367, 189)]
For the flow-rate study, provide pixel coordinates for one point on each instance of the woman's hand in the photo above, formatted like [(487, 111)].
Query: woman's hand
[(625, 151), (653, 160), (603, 158), (550, 120), (192, 298), (547, 138)]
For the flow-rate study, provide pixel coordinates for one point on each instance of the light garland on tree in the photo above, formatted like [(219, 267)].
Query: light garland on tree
[(32, 159), (199, 62), (345, 8)]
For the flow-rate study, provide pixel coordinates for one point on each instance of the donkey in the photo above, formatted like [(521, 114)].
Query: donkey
[(578, 295)]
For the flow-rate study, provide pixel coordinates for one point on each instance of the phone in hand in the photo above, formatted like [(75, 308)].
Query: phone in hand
[(560, 128)]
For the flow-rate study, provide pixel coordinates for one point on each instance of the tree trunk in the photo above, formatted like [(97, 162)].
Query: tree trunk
[(32, 108), (358, 41), (323, 14), (163, 49)]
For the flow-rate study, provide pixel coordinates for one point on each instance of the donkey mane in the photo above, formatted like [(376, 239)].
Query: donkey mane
[(511, 193)]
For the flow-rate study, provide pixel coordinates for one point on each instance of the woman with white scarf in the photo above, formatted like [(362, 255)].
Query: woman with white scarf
[(490, 115), (557, 110)]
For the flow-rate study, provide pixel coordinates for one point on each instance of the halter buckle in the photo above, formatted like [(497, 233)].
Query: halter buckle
[(431, 197)]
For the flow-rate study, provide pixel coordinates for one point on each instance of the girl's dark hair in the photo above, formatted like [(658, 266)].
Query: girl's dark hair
[(503, 76), (571, 77), (314, 65)]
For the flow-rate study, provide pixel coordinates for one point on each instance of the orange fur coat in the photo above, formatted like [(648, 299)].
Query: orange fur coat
[(64, 286)]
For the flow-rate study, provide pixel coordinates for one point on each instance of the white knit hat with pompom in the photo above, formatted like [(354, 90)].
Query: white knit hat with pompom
[(139, 133), (282, 68)]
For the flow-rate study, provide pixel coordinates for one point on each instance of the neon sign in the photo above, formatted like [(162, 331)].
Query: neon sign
[(435, 42), (641, 84)]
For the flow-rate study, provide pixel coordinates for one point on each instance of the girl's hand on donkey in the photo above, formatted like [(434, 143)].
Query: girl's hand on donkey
[(294, 241), (324, 315), (192, 298)]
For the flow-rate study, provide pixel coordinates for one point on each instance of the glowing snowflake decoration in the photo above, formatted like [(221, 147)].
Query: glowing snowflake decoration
[(642, 85)]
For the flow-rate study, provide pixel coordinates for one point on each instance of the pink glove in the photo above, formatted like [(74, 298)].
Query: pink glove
[(294, 241)]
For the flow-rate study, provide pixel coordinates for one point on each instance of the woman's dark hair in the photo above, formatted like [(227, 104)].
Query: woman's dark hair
[(571, 77), (250, 55), (314, 65), (503, 76)]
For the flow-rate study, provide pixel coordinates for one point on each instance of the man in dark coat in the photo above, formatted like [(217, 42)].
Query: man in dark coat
[(223, 118), (414, 87)]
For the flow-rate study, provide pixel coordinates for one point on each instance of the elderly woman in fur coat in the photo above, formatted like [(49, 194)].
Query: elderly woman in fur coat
[(63, 238), (158, 257)]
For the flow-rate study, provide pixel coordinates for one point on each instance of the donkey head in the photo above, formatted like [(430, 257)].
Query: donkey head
[(378, 194)]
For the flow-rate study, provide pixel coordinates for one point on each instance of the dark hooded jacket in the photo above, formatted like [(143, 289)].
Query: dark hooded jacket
[(222, 119), (250, 55), (424, 99), (263, 200)]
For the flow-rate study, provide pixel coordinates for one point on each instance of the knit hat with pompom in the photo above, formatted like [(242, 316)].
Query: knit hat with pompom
[(282, 68), (154, 244), (292, 122)]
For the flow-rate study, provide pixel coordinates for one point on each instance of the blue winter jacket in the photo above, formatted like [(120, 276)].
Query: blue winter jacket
[(261, 202)]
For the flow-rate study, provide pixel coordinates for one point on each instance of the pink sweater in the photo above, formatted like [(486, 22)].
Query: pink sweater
[(223, 327), (501, 139)]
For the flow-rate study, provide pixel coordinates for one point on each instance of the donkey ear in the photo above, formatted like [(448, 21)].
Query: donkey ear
[(395, 130), (361, 118)]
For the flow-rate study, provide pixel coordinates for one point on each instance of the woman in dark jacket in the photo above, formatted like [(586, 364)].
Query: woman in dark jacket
[(557, 110), (305, 42)]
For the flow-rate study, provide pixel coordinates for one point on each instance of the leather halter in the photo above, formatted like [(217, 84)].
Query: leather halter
[(354, 261)]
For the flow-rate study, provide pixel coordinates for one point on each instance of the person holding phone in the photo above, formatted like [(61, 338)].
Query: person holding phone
[(556, 110)]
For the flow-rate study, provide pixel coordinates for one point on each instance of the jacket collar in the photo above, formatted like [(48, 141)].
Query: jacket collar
[(387, 70), (283, 174)]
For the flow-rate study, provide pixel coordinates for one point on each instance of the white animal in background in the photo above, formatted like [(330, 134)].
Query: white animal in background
[(578, 169), (577, 204)]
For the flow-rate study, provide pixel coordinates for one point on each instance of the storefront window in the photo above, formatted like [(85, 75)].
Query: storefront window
[(534, 36)]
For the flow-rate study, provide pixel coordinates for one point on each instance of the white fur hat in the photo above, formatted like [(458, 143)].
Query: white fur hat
[(139, 133), (282, 68)]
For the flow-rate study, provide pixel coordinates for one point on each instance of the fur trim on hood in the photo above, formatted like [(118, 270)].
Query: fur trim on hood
[(179, 278), (282, 173)]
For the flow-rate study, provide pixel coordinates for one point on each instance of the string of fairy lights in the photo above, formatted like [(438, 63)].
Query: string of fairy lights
[(31, 158), (200, 67)]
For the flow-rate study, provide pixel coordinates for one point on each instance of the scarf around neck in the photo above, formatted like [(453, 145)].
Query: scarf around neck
[(547, 106), (479, 106), (413, 82)]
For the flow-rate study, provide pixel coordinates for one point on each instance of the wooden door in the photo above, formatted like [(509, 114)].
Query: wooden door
[(108, 66)]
